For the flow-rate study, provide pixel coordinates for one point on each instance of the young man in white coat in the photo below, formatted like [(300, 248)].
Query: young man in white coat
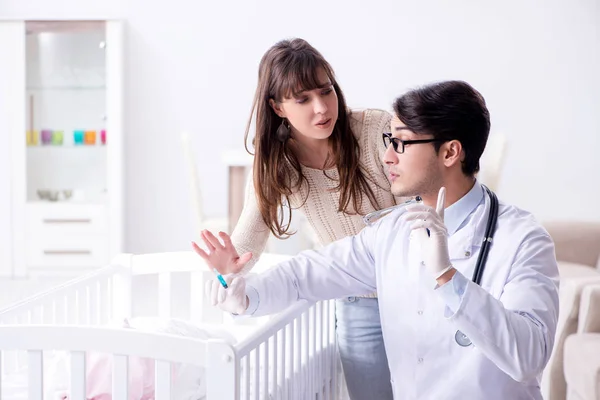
[(446, 337)]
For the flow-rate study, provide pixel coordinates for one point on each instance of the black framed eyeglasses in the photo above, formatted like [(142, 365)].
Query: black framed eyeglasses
[(399, 143)]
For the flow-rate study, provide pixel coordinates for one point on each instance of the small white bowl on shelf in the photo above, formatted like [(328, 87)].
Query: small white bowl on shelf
[(54, 195)]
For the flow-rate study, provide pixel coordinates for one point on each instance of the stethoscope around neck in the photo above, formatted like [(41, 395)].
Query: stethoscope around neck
[(460, 338)]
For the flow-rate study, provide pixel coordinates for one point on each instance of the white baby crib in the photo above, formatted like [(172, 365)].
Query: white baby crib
[(292, 355)]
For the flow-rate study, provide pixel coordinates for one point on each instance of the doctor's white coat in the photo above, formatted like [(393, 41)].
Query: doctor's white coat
[(510, 319)]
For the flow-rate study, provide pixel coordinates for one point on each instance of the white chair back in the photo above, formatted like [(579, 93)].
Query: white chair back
[(202, 222), (492, 161)]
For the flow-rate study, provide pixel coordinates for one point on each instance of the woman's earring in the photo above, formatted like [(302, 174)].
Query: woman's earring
[(283, 132)]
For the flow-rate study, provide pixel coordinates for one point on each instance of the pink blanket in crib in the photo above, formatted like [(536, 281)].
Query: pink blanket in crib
[(187, 380), (98, 376)]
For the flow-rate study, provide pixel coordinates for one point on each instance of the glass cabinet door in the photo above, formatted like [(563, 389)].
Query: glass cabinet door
[(66, 133)]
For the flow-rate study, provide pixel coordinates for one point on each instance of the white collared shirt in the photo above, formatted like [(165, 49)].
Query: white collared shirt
[(510, 319)]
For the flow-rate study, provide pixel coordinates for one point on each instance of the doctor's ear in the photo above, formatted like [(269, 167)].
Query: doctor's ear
[(277, 108), (452, 152)]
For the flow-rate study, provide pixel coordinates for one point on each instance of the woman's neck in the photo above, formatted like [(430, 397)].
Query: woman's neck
[(312, 153)]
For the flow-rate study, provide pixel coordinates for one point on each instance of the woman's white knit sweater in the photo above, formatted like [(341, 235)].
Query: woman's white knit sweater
[(319, 200)]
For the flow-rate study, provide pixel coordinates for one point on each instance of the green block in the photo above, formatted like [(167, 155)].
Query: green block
[(57, 137)]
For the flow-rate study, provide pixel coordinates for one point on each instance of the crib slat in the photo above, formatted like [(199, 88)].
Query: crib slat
[(110, 300), (78, 306), (9, 357), (35, 369), (333, 358), (53, 320), (65, 309), (298, 369), (88, 306), (247, 376), (320, 368), (274, 366), (308, 351), (325, 328), (306, 344), (120, 377), (162, 380), (98, 301), (20, 356), (292, 354), (256, 353), (266, 369), (284, 367), (77, 375), (164, 294), (1, 371), (105, 305), (313, 353)]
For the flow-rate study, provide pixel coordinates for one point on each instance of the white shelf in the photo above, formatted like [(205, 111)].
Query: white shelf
[(58, 147), (65, 203), (45, 88)]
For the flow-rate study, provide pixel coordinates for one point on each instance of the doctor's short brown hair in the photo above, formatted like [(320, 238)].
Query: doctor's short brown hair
[(449, 110)]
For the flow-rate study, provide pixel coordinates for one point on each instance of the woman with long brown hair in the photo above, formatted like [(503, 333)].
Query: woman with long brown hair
[(313, 154)]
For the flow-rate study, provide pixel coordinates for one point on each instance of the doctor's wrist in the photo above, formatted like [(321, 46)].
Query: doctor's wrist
[(446, 276)]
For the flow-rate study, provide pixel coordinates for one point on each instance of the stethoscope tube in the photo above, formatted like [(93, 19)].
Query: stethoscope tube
[(460, 338), (488, 237)]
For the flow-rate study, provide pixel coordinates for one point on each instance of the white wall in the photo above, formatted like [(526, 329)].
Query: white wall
[(193, 65)]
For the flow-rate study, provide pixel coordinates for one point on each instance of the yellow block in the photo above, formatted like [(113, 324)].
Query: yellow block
[(32, 138)]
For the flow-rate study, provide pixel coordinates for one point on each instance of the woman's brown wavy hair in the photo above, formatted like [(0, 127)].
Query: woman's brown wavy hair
[(288, 67)]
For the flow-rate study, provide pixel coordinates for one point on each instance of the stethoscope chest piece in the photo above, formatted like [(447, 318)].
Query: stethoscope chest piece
[(462, 339)]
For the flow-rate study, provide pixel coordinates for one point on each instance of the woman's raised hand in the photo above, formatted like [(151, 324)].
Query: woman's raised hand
[(221, 256)]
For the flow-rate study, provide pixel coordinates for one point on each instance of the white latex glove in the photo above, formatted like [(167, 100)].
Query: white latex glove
[(434, 246), (233, 299)]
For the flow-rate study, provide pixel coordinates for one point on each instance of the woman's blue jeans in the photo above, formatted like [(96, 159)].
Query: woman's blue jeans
[(362, 352)]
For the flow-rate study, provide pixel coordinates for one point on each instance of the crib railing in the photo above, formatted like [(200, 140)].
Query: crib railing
[(293, 356), (91, 300), (106, 294), (88, 300), (121, 343), (299, 346)]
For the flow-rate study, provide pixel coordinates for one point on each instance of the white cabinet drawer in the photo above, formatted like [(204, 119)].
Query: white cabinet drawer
[(67, 251), (59, 219)]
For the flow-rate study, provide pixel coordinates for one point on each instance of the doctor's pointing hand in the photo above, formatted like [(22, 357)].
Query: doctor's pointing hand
[(428, 226)]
